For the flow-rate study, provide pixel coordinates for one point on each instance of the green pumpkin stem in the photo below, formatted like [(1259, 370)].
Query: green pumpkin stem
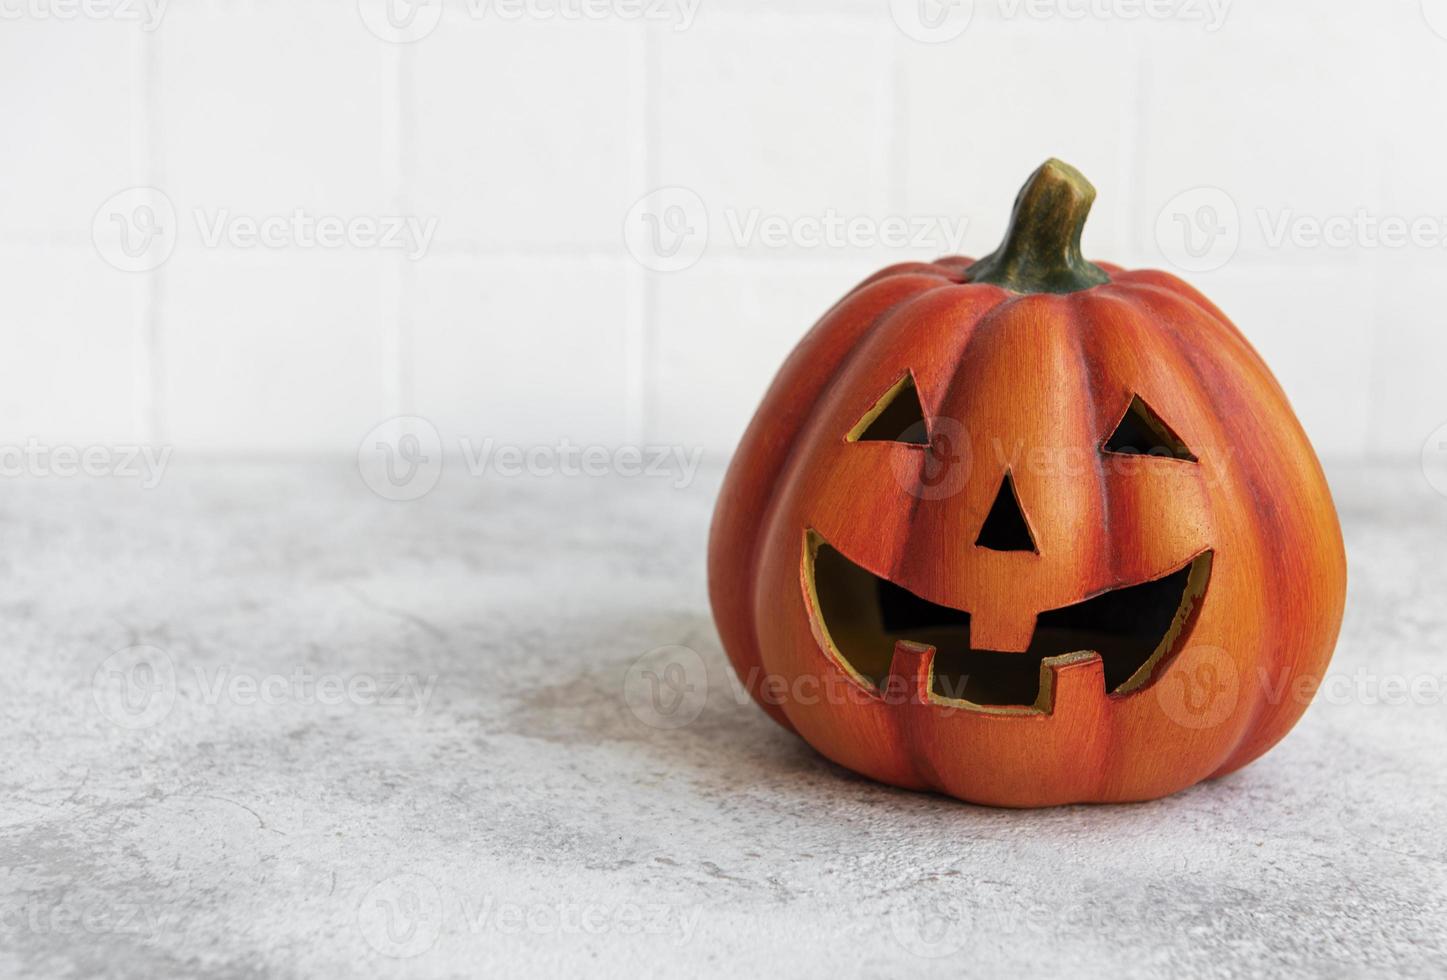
[(1041, 250)]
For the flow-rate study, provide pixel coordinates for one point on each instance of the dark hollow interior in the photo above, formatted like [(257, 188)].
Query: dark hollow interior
[(1142, 432), (901, 421), (865, 614)]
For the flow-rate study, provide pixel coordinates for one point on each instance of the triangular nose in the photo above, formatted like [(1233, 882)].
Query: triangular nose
[(1005, 528)]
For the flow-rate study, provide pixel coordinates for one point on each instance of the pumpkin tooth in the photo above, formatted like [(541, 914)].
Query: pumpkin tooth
[(1070, 679), (911, 672), (1002, 629)]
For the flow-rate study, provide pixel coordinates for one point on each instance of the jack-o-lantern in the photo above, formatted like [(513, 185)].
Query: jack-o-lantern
[(1028, 530)]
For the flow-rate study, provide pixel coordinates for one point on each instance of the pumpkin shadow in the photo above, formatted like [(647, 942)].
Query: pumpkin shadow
[(694, 724), (723, 746), (672, 700)]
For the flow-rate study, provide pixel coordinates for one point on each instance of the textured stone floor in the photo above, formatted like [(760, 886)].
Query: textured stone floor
[(262, 722)]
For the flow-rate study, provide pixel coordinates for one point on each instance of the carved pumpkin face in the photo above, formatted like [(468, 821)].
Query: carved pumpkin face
[(1028, 530)]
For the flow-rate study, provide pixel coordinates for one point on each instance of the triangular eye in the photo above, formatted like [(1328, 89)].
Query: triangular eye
[(896, 417), (1142, 432)]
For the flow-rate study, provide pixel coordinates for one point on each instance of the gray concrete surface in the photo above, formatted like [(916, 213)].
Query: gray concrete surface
[(261, 722)]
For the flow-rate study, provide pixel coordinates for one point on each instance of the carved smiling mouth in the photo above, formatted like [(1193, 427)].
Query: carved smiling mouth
[(1135, 629)]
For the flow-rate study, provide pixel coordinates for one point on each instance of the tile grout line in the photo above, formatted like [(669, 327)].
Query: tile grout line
[(148, 377), (391, 286), (642, 328), (1129, 160), (897, 127), (1375, 275)]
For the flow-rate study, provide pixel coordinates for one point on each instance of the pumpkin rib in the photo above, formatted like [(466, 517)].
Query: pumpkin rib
[(983, 301), (1168, 289), (1270, 522), (1107, 505), (1179, 288), (751, 489), (1290, 573), (1133, 336), (1169, 340), (977, 328)]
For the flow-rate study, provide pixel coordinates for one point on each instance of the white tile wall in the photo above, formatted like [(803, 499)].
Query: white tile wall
[(725, 328), (69, 372), (520, 135), (68, 92), (527, 139), (265, 108), (521, 350), (268, 351), (1076, 87)]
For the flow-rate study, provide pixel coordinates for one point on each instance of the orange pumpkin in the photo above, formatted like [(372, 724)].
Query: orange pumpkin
[(1028, 530)]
